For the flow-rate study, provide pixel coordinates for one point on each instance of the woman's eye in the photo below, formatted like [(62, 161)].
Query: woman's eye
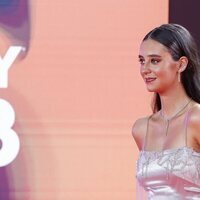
[(141, 61), (155, 61)]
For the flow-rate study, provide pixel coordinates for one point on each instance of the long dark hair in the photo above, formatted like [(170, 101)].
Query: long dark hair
[(179, 42)]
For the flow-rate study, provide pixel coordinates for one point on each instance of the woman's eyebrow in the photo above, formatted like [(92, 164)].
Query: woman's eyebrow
[(150, 55)]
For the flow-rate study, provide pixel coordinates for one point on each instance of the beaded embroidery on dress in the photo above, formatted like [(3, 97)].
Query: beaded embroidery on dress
[(183, 162), (171, 174)]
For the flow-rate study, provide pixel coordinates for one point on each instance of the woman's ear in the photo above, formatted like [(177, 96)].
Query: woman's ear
[(183, 61)]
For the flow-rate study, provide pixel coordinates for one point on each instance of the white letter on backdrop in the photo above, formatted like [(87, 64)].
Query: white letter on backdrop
[(6, 62)]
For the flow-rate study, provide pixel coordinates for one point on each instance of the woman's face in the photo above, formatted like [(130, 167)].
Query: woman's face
[(158, 69)]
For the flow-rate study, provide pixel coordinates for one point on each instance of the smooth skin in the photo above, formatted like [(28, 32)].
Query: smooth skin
[(160, 74)]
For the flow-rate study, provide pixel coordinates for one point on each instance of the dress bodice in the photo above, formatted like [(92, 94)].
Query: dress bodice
[(172, 174)]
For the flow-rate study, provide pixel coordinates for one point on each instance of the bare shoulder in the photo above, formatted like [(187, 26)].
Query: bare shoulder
[(195, 115), (194, 122), (139, 131)]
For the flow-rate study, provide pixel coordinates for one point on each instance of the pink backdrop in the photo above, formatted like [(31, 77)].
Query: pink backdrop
[(76, 96)]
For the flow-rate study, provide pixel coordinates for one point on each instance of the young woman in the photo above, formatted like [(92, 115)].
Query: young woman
[(168, 167)]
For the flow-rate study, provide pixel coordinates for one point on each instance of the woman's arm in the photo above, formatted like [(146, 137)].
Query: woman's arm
[(139, 131)]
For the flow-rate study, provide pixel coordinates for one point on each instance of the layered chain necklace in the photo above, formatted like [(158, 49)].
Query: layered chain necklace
[(174, 116)]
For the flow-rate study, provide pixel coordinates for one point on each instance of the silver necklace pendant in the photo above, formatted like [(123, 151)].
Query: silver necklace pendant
[(167, 127), (169, 119)]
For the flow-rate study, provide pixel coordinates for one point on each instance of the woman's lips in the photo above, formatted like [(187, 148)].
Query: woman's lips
[(149, 80)]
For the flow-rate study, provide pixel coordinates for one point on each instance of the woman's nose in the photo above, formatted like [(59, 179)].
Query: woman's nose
[(145, 69)]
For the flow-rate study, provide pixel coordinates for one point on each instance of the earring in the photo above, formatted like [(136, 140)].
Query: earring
[(179, 77)]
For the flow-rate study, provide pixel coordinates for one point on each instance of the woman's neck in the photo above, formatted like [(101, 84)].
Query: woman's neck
[(173, 102)]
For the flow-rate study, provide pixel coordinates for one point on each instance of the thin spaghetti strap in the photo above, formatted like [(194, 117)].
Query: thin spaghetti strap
[(147, 128), (186, 124)]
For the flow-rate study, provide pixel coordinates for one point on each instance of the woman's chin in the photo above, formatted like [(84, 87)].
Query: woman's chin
[(150, 89)]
